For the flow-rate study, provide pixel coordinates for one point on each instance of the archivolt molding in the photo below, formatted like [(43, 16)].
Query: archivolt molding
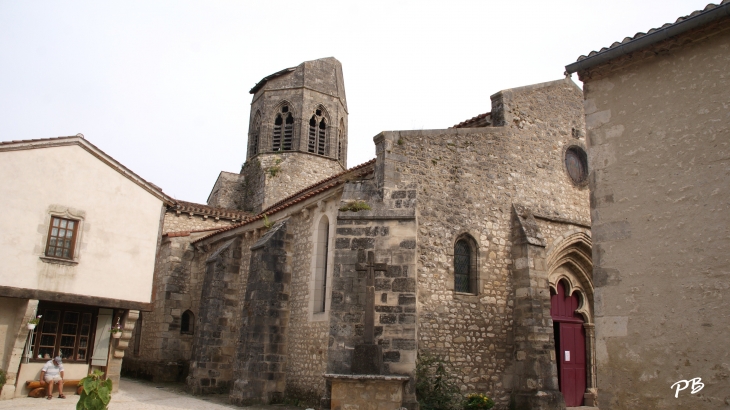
[(573, 254), (325, 113), (277, 108)]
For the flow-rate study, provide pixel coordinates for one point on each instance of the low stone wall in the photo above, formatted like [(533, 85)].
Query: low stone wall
[(366, 392)]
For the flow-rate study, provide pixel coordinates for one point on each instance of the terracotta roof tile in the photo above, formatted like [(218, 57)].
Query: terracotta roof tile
[(481, 120), (308, 192), (654, 30), (200, 209)]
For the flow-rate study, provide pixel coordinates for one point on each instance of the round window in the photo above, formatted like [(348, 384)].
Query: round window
[(576, 163)]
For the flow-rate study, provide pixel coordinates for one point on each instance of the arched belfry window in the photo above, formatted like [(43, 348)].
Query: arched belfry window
[(187, 323), (253, 149), (465, 265), (320, 265), (340, 139), (283, 130), (317, 133)]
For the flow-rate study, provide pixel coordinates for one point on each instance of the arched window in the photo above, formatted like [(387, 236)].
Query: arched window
[(253, 149), (187, 323), (283, 124), (317, 133), (340, 139), (465, 263), (320, 265)]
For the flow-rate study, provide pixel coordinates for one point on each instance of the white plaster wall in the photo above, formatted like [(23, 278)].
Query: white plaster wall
[(118, 243)]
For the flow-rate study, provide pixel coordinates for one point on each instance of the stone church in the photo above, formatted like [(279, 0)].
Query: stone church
[(301, 278)]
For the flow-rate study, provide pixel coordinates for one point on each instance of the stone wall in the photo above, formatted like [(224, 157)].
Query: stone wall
[(164, 351), (215, 341), (467, 181), (227, 191), (184, 221), (273, 177), (261, 355), (388, 229), (657, 123), (308, 333)]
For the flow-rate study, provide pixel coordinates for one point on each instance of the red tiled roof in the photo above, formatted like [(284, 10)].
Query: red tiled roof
[(639, 35), (200, 209), (187, 233), (308, 192), (335, 176), (481, 120)]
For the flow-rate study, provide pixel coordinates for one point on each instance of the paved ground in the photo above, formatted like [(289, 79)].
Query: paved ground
[(140, 395)]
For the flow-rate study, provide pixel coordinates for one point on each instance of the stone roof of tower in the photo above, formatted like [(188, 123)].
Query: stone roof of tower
[(308, 192), (263, 81), (309, 75), (640, 40)]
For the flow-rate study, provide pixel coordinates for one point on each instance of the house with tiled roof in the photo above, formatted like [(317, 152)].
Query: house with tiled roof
[(657, 113), (303, 279), (80, 233)]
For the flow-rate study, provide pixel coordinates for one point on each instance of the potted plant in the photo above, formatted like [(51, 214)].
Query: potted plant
[(116, 330), (34, 322), (478, 401)]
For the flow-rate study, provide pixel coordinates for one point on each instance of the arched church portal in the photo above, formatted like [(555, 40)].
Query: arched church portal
[(571, 296)]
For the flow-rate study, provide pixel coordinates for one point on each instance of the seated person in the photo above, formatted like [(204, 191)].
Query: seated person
[(51, 373)]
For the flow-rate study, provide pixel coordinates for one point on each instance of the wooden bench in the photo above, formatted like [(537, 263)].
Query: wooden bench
[(38, 389)]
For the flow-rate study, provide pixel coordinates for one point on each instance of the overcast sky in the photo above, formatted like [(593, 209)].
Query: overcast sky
[(162, 86)]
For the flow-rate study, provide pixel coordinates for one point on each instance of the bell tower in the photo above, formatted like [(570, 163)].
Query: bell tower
[(297, 133)]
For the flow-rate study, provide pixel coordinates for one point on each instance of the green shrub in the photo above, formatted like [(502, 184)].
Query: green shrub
[(478, 401), (355, 206), (435, 389), (96, 393), (267, 224), (273, 171)]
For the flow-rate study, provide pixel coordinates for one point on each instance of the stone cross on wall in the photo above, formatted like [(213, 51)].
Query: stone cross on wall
[(368, 357)]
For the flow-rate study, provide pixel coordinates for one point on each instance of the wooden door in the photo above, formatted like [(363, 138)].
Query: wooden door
[(572, 363), (570, 346)]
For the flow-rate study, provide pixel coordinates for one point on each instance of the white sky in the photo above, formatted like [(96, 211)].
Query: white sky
[(162, 86)]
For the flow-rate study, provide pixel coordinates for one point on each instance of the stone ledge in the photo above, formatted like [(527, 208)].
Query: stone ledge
[(358, 377)]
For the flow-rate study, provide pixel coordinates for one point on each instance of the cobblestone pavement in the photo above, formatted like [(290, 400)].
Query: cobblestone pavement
[(141, 395)]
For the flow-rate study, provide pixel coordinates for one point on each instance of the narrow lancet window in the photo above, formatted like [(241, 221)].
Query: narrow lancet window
[(320, 265), (465, 264), (281, 139), (317, 133), (340, 139), (276, 138), (288, 132)]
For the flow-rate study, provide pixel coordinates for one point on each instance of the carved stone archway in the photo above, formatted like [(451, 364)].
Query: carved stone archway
[(570, 261)]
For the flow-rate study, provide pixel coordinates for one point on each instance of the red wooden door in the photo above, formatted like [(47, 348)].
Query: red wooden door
[(570, 346), (572, 363)]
